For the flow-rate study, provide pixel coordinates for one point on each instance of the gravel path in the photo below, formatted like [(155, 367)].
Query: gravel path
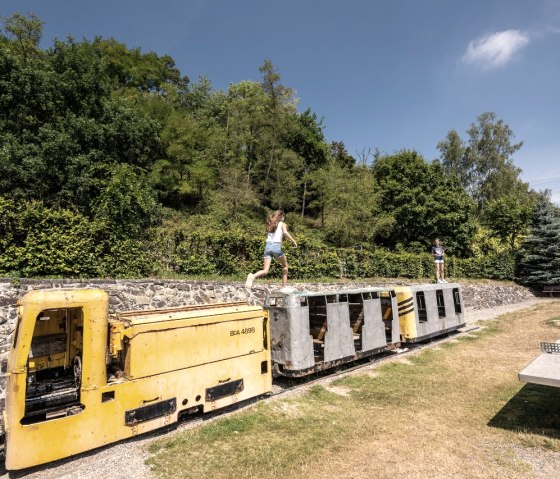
[(126, 459), (474, 315)]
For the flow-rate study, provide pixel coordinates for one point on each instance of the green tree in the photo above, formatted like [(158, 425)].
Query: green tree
[(279, 110), (306, 139), (484, 163), (234, 195), (241, 114), (133, 69), (539, 256), (60, 126), (187, 169), (348, 202), (256, 128), (509, 218), (425, 203), (24, 33), (340, 154), (126, 205)]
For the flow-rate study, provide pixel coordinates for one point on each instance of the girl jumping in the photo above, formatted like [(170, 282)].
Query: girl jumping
[(276, 229)]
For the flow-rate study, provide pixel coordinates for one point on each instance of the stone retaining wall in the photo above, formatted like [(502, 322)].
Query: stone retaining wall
[(127, 295)]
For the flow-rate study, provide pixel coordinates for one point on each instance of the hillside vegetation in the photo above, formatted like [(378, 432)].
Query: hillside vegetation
[(113, 163)]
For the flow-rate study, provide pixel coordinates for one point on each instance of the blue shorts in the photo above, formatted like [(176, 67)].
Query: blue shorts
[(273, 250)]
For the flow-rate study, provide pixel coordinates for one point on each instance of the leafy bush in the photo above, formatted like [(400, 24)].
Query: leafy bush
[(39, 241), (235, 252), (46, 242)]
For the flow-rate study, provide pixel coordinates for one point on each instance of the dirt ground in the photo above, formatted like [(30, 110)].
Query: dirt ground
[(126, 459)]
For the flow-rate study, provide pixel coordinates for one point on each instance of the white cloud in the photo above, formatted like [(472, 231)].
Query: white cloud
[(497, 49)]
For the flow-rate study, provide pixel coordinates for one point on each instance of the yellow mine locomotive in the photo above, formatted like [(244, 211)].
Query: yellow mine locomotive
[(78, 378)]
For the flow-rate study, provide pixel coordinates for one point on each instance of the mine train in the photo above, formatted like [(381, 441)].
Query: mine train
[(79, 377)]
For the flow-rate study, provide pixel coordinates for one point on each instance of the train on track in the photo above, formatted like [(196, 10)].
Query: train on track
[(315, 331), (79, 377)]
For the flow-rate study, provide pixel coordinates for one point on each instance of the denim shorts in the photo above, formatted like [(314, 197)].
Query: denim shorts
[(273, 250)]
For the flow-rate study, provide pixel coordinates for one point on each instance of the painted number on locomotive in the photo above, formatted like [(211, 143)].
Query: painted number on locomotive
[(235, 332)]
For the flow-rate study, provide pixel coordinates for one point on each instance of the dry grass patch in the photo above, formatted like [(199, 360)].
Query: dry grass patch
[(458, 411), (340, 390)]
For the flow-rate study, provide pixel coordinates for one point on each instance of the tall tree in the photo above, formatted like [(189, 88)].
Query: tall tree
[(539, 258), (340, 154), (425, 203), (24, 33), (131, 68), (281, 106), (484, 163), (186, 171), (348, 203), (306, 139), (60, 126), (234, 197)]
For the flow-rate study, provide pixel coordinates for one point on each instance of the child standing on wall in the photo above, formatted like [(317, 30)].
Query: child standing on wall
[(276, 229), (438, 252)]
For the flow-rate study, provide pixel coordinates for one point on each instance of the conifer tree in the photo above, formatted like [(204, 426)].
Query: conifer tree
[(539, 257)]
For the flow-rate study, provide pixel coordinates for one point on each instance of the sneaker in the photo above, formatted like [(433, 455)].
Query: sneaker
[(443, 281), (440, 281), (287, 289), (249, 282)]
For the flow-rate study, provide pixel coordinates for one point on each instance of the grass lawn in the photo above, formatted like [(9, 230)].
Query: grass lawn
[(453, 411)]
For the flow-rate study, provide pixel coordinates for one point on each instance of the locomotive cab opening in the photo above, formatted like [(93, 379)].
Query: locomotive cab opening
[(54, 366)]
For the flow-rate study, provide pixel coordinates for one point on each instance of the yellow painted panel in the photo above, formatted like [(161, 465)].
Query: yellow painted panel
[(407, 322), (102, 423), (151, 319), (154, 352)]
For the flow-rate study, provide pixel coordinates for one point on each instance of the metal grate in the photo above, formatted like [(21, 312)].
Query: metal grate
[(551, 348)]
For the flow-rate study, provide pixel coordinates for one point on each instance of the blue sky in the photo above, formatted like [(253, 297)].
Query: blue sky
[(382, 74)]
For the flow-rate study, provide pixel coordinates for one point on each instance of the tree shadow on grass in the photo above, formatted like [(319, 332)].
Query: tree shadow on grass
[(534, 409)]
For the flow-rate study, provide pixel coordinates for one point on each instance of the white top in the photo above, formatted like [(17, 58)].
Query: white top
[(276, 236)]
